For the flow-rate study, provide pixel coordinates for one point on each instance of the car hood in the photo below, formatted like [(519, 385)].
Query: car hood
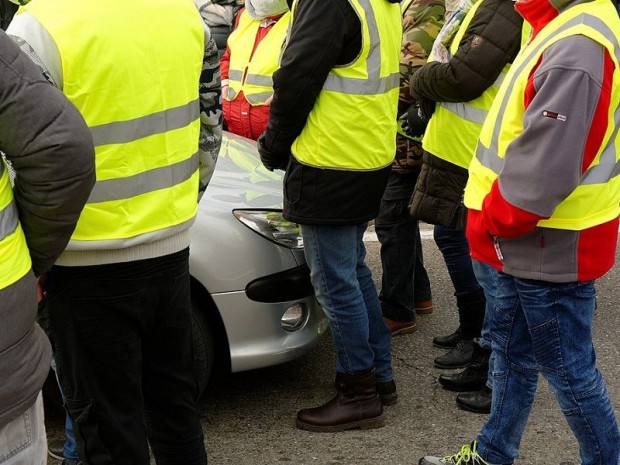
[(240, 180)]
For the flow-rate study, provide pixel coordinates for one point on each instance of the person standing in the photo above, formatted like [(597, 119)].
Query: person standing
[(405, 287), (455, 90), (144, 75), (543, 198), (248, 64), (332, 126), (48, 151)]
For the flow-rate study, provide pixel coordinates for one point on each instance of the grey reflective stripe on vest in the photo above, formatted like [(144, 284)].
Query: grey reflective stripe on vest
[(120, 132), (374, 84), (259, 80), (8, 220), (608, 166), (469, 112), (465, 111), (148, 181), (261, 97), (235, 74)]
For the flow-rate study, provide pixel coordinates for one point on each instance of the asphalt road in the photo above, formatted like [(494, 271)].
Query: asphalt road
[(249, 418)]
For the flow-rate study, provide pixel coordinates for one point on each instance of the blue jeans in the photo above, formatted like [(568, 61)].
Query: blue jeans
[(70, 447), (455, 250), (344, 287), (23, 439), (404, 279), (541, 327), (486, 276)]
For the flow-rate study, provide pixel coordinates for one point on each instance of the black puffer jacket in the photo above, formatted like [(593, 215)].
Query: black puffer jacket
[(496, 30)]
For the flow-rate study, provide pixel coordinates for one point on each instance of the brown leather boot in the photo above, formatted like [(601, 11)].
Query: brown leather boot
[(356, 405)]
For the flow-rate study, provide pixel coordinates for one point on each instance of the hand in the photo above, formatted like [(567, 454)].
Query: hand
[(41, 287), (427, 107), (268, 101), (414, 124), (225, 90), (267, 158)]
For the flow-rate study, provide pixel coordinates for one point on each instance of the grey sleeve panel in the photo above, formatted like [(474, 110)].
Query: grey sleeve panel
[(543, 165), (51, 150)]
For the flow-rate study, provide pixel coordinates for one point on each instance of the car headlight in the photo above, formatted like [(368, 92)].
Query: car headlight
[(273, 226)]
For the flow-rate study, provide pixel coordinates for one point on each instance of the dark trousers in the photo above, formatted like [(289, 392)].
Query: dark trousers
[(404, 278), (122, 338)]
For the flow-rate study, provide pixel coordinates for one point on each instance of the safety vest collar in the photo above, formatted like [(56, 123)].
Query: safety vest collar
[(373, 84), (608, 167)]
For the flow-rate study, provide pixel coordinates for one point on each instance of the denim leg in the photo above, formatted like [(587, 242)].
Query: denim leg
[(23, 439), (514, 376), (455, 250), (344, 288), (379, 335), (398, 234), (560, 317), (547, 327), (486, 276)]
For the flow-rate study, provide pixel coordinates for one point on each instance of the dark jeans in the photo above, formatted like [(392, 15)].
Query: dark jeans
[(404, 280), (455, 250), (122, 336)]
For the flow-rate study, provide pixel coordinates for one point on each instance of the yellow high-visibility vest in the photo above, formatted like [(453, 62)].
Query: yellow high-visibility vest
[(14, 254), (140, 102), (505, 122), (453, 130), (254, 76), (352, 125)]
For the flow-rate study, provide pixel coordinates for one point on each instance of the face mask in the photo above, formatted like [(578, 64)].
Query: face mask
[(260, 9)]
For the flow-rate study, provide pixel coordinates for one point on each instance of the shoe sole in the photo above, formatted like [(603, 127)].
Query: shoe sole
[(389, 399), (451, 367), (469, 388), (408, 330), (444, 346), (424, 310), (370, 423), (54, 455)]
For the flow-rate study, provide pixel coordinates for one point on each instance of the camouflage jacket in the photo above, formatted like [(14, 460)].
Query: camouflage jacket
[(422, 21)]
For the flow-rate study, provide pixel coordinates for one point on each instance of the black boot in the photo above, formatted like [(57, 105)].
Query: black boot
[(387, 393), (477, 402), (474, 377), (459, 357), (449, 341), (357, 405)]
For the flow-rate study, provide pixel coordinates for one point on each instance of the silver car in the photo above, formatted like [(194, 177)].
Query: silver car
[(253, 303)]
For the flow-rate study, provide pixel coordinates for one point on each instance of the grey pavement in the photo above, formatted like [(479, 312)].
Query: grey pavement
[(249, 418)]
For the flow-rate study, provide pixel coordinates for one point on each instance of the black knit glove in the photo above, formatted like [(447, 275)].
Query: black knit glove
[(270, 160), (414, 124), (427, 107)]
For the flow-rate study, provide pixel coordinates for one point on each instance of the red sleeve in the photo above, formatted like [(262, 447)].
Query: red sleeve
[(225, 59), (502, 219)]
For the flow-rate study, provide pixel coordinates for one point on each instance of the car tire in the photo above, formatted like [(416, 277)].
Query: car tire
[(204, 348)]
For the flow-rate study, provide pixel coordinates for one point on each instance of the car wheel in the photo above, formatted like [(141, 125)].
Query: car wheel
[(204, 348)]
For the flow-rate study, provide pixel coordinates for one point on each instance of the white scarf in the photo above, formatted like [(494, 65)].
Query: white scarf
[(448, 31), (261, 9)]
